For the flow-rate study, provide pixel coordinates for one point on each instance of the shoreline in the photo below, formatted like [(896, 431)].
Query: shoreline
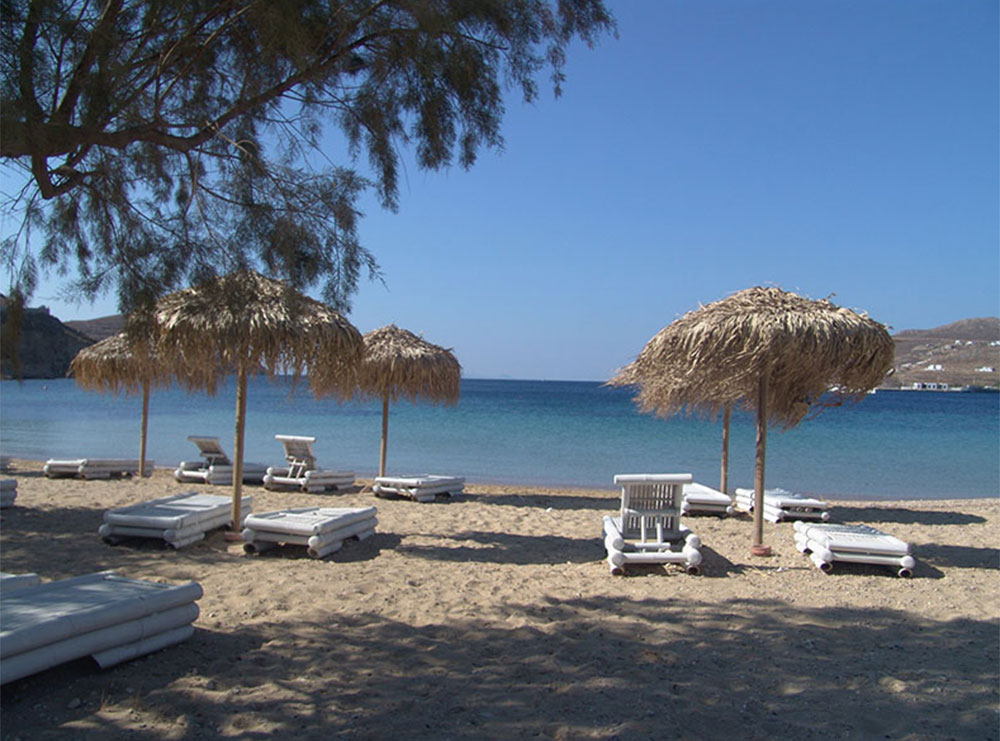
[(493, 614), (23, 465)]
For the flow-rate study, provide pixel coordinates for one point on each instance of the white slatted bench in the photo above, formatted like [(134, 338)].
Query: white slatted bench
[(94, 468), (103, 615), (827, 544), (322, 530), (179, 519), (648, 529), (700, 499), (421, 488), (781, 505)]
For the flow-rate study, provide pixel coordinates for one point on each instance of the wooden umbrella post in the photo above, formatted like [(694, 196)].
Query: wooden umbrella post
[(724, 481), (385, 433), (241, 414), (758, 548), (142, 430)]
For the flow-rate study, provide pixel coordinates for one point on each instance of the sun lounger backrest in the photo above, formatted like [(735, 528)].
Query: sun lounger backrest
[(299, 454), (651, 504), (211, 450)]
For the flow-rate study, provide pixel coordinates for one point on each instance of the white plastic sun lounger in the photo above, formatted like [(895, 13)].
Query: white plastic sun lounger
[(95, 468), (10, 582), (648, 530), (102, 615), (215, 467), (827, 544), (421, 488), (781, 505), (8, 492), (322, 530), (179, 519), (302, 471), (700, 499)]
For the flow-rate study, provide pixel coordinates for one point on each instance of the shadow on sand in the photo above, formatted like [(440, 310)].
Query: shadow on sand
[(575, 676)]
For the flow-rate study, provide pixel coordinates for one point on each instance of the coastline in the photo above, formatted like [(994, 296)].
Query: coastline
[(495, 615), (34, 467)]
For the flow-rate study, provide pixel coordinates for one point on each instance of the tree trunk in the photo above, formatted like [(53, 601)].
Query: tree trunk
[(385, 433), (142, 431), (241, 414), (724, 478), (758, 477)]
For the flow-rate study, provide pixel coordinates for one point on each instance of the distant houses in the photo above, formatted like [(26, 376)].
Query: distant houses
[(933, 386)]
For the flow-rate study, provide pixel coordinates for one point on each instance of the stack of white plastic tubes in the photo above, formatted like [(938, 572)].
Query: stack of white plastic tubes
[(102, 615), (780, 505), (322, 530), (830, 543), (179, 519)]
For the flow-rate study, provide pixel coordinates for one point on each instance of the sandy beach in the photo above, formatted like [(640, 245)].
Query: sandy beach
[(494, 615)]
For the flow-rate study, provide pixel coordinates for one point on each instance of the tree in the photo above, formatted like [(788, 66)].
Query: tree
[(164, 141)]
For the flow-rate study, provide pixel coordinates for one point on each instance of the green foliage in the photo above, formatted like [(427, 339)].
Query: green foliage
[(171, 140)]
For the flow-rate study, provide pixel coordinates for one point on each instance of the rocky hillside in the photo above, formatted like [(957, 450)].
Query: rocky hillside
[(964, 353), (99, 329), (45, 347)]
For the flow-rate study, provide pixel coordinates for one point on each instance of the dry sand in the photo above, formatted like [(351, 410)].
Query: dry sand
[(494, 615)]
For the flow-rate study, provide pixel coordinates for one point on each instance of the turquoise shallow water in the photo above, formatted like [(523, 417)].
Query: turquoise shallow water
[(892, 445)]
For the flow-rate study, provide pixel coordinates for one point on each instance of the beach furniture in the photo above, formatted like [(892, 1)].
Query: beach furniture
[(94, 468), (781, 505), (10, 582), (179, 519), (648, 528), (322, 530), (704, 500), (302, 471), (422, 488), (8, 492), (215, 467), (103, 615), (827, 544)]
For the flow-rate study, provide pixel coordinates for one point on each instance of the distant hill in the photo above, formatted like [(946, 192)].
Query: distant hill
[(957, 354), (46, 345), (99, 329)]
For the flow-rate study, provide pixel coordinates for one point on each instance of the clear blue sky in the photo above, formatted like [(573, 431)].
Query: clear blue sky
[(824, 146)]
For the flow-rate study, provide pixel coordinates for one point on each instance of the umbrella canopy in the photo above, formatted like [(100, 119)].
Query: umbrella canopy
[(121, 364), (244, 322), (399, 363), (764, 349)]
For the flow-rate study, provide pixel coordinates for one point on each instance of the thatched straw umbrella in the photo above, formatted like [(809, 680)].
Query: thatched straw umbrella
[(121, 364), (244, 322), (398, 363), (765, 349)]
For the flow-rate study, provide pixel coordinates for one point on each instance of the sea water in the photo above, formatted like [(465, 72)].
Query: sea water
[(891, 445)]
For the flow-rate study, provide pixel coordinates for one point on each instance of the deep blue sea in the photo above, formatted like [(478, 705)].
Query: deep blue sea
[(891, 445)]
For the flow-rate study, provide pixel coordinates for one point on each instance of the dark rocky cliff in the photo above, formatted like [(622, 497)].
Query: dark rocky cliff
[(44, 348)]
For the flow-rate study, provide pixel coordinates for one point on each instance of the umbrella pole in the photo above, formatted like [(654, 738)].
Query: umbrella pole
[(724, 481), (241, 414), (142, 429), (385, 433), (758, 548)]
